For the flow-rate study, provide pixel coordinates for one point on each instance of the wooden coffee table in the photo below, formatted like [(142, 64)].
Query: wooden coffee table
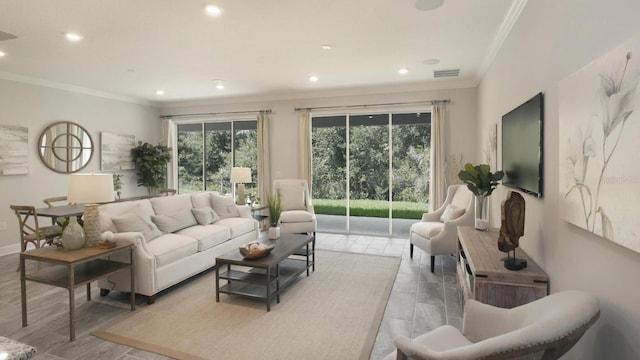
[(267, 277)]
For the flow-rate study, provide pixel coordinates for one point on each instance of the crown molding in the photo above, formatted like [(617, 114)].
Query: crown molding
[(505, 28), (72, 88)]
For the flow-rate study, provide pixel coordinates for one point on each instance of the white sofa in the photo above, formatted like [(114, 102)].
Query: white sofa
[(176, 237)]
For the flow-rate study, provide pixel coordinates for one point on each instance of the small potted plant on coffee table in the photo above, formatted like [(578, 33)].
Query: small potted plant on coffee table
[(275, 208)]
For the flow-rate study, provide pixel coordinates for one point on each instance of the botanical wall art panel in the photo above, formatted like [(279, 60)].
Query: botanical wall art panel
[(14, 150), (599, 110), (116, 151)]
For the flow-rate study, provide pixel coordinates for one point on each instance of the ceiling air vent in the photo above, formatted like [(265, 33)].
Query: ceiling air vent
[(6, 36), (446, 73)]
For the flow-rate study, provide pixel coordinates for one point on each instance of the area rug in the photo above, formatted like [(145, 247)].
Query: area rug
[(335, 313)]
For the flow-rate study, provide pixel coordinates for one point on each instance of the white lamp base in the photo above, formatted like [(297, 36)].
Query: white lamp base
[(240, 199), (91, 224)]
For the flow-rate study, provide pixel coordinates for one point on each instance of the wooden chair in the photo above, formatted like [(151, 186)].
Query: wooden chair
[(50, 201), (30, 230)]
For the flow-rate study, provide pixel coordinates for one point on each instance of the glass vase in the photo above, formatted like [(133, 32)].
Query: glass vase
[(482, 213), (73, 237)]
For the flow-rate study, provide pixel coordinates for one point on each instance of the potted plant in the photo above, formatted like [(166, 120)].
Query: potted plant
[(481, 182), (275, 208), (117, 185), (151, 165)]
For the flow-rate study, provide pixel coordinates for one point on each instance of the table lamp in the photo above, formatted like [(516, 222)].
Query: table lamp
[(240, 176), (91, 189)]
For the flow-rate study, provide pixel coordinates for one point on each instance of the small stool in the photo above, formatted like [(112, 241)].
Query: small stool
[(15, 350)]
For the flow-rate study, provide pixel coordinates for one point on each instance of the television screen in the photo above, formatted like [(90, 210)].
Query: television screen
[(522, 146)]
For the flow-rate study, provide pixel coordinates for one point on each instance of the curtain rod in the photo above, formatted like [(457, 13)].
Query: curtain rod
[(430, 102), (268, 111)]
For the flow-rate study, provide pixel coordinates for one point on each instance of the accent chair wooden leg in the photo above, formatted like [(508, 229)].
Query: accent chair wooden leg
[(433, 263), (411, 251), (151, 299)]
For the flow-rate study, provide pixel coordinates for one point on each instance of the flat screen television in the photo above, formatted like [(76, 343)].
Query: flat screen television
[(522, 141)]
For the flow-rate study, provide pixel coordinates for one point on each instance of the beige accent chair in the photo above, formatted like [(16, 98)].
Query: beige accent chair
[(437, 232), (551, 325), (297, 214)]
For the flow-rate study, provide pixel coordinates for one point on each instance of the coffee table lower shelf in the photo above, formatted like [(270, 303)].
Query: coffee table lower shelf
[(253, 283)]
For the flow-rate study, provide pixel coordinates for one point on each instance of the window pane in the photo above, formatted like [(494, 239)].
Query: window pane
[(246, 153), (218, 157), (190, 158)]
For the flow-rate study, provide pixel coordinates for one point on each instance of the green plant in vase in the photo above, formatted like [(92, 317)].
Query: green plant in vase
[(481, 182), (274, 205), (117, 185)]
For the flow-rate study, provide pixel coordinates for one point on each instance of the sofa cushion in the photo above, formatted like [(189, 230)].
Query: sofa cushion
[(201, 200), (296, 216), (132, 222), (207, 236), (205, 215), (224, 206), (238, 226), (110, 210), (451, 213), (292, 196), (169, 248), (164, 205), (173, 222)]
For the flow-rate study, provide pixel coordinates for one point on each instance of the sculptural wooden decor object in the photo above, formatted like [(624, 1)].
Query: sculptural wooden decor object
[(512, 229)]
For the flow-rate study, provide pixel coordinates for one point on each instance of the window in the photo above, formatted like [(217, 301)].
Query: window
[(208, 150)]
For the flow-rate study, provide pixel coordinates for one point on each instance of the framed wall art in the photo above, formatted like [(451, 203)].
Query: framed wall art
[(599, 123), (14, 150), (116, 151)]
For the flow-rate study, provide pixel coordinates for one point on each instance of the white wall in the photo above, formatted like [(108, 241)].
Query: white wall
[(551, 40), (461, 119), (36, 107)]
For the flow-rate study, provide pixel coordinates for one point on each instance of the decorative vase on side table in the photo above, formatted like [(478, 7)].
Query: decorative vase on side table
[(481, 182), (73, 237), (481, 212)]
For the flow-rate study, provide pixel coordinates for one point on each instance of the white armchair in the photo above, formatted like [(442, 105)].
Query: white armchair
[(551, 325), (297, 214), (437, 232)]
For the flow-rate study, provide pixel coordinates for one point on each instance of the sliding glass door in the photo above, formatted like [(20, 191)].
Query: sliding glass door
[(370, 172), (208, 150)]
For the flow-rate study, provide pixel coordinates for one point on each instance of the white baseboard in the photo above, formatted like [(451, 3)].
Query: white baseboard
[(9, 249)]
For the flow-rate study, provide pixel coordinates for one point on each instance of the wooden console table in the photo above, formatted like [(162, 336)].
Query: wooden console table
[(483, 277), (72, 269)]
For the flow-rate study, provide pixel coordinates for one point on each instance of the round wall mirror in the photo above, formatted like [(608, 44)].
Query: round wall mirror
[(65, 147)]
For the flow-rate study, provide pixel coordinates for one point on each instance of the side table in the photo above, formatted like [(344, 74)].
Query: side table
[(255, 212), (71, 269)]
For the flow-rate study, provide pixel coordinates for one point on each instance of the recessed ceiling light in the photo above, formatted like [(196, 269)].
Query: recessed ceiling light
[(327, 47), (213, 10), (160, 92), (426, 5), (2, 54), (219, 84), (73, 37), (313, 78), (403, 71), (430, 62)]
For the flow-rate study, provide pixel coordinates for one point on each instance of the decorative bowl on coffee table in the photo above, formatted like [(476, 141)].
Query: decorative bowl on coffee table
[(255, 250)]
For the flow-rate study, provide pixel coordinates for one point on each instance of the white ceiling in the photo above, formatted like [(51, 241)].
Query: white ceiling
[(131, 48)]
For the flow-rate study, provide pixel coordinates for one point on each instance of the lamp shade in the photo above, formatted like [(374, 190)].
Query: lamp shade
[(240, 175), (90, 188)]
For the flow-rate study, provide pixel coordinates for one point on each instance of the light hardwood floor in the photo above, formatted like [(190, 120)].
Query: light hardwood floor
[(420, 301)]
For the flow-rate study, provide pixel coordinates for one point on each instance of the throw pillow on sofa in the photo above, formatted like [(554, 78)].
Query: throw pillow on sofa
[(173, 222), (205, 215), (224, 206), (134, 223)]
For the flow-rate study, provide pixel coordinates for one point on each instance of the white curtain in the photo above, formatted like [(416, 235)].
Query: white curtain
[(169, 139), (437, 189), (304, 146), (264, 157)]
